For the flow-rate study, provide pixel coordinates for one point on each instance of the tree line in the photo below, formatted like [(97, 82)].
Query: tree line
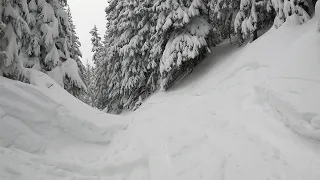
[(147, 45)]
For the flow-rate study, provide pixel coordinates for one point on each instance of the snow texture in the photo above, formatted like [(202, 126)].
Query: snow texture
[(317, 14), (249, 113)]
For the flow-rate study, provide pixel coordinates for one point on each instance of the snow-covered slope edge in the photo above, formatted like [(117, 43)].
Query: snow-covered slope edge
[(53, 90), (287, 78), (29, 119), (44, 127)]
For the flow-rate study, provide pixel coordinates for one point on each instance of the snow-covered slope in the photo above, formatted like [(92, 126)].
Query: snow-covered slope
[(41, 124), (249, 113), (49, 87)]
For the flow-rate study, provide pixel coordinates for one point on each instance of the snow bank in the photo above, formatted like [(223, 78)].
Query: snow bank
[(46, 133), (30, 120), (49, 87), (289, 73)]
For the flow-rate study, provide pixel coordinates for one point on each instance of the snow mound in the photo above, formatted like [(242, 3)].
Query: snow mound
[(287, 75), (30, 120), (54, 91), (45, 132)]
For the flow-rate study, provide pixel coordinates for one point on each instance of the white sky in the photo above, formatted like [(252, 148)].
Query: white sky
[(86, 14)]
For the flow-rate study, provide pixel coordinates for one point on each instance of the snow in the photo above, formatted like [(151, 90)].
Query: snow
[(11, 45), (67, 68), (32, 5), (55, 91), (249, 113), (70, 69), (288, 10), (317, 13), (57, 75)]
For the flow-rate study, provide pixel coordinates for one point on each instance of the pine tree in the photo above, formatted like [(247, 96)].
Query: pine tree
[(223, 13), (108, 78), (247, 18), (90, 80), (36, 32), (97, 58), (73, 46), (184, 27), (15, 33), (286, 9), (97, 47), (74, 43), (139, 71), (147, 42), (252, 12), (130, 72)]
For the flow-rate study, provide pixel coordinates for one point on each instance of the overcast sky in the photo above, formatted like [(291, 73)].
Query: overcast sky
[(85, 15)]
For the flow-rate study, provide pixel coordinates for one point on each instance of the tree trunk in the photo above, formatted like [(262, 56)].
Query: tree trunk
[(230, 27), (254, 35), (240, 37), (311, 4)]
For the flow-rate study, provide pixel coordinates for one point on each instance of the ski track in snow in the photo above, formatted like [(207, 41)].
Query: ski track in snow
[(241, 114)]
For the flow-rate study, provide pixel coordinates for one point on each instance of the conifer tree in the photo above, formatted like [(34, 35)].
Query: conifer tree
[(247, 18), (184, 27), (90, 80), (148, 42), (35, 36), (73, 45), (223, 12), (130, 72), (14, 34), (97, 47)]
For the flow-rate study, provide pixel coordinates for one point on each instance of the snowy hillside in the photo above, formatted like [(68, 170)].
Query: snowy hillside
[(245, 114)]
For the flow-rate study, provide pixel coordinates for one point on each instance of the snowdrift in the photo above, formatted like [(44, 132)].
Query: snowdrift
[(286, 67), (245, 113), (30, 119), (38, 120), (54, 91)]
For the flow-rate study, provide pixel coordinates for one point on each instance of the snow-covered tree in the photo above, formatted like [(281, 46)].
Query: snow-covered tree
[(254, 14), (73, 45), (184, 27), (128, 69), (14, 34), (247, 19), (35, 36), (294, 9), (97, 47), (222, 13), (90, 77), (148, 42), (108, 82), (73, 42)]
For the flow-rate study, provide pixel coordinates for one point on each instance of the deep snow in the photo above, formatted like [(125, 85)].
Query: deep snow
[(244, 114)]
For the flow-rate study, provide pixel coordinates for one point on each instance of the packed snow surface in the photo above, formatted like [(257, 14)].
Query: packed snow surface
[(247, 113)]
